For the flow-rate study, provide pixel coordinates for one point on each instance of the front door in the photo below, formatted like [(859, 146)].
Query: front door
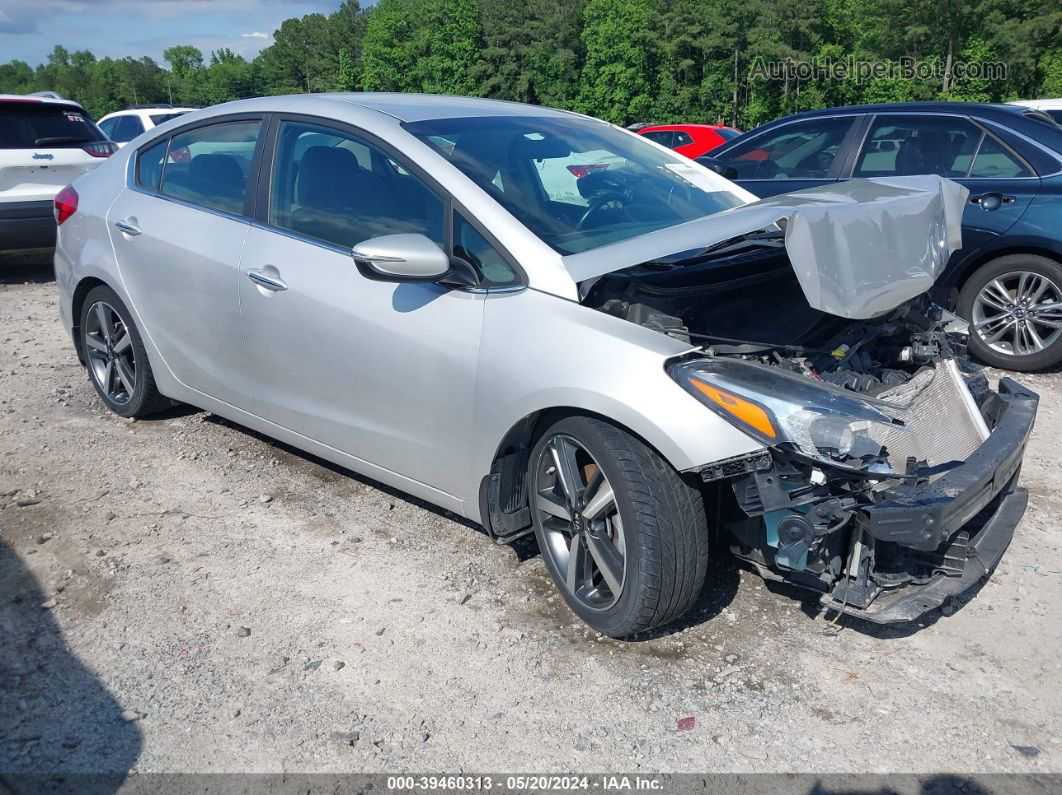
[(381, 371)]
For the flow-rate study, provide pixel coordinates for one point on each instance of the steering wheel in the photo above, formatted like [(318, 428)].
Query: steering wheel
[(597, 205)]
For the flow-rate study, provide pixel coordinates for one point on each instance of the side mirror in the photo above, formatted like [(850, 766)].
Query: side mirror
[(401, 258), (718, 166)]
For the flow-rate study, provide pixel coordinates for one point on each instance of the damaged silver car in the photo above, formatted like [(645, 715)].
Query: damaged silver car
[(547, 324)]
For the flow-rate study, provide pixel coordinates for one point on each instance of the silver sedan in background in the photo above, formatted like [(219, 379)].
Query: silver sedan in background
[(545, 323)]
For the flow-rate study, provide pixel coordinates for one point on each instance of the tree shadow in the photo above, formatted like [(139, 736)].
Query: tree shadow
[(60, 728)]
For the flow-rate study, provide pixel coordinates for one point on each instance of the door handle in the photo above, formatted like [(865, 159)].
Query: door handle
[(128, 228), (267, 282), (991, 201)]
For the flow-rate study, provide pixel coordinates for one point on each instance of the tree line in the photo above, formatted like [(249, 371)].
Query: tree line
[(622, 60)]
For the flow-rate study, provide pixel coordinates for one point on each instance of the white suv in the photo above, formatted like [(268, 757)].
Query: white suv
[(45, 143), (1052, 107), (124, 125)]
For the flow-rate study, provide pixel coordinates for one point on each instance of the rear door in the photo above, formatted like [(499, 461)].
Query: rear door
[(800, 154), (178, 233), (1001, 185)]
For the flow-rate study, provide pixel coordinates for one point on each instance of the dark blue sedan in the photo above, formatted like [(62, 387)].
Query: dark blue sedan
[(1007, 278)]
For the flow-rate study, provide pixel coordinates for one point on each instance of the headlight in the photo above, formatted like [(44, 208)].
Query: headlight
[(779, 408)]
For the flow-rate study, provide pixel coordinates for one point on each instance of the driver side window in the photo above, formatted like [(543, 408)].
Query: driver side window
[(802, 150)]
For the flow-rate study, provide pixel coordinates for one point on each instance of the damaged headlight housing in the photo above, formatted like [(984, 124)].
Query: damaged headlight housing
[(781, 409)]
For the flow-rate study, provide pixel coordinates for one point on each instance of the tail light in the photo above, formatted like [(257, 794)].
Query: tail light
[(101, 148), (581, 171), (65, 204)]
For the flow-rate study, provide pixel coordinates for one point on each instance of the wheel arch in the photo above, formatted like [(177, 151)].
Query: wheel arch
[(503, 499), (968, 267), (77, 302)]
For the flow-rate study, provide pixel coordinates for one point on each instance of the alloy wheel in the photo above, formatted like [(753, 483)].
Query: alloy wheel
[(581, 523), (111, 357), (1018, 313)]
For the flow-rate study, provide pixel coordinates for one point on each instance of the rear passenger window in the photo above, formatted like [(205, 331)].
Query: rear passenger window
[(899, 146), (994, 161), (149, 165), (208, 166)]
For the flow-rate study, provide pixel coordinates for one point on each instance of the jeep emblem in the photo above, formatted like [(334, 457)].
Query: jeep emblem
[(44, 156)]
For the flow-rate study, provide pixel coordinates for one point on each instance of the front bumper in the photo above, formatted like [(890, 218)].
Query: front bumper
[(979, 497), (26, 225)]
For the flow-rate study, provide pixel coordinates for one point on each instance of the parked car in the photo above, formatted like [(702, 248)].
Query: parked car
[(45, 143), (383, 281), (1052, 107), (691, 140), (1007, 277), (123, 126)]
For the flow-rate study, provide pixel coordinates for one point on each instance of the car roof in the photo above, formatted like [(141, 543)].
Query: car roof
[(972, 108), (403, 107), (682, 127), (38, 100), (146, 111)]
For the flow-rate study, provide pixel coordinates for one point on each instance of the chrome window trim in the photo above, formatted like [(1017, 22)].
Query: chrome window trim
[(165, 197)]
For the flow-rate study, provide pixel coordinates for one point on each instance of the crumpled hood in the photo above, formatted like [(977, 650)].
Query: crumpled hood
[(859, 248)]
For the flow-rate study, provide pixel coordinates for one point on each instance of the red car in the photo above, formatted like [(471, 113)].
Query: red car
[(691, 140)]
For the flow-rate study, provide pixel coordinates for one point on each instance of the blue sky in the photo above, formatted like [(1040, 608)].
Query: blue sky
[(30, 28)]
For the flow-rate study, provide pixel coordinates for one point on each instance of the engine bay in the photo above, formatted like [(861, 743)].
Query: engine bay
[(747, 303)]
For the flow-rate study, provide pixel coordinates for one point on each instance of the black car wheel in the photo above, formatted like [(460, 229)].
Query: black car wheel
[(622, 534), (115, 356), (1014, 305)]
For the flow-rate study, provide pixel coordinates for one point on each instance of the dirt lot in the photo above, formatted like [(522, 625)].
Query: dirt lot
[(184, 595)]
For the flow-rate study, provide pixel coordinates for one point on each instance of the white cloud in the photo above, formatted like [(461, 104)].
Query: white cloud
[(255, 35)]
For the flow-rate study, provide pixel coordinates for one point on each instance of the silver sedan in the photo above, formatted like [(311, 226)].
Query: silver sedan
[(547, 324)]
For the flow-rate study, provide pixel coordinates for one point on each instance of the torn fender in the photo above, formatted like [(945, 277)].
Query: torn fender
[(859, 248)]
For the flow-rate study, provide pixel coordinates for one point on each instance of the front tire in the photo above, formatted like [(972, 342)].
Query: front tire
[(115, 356), (1014, 305), (622, 534)]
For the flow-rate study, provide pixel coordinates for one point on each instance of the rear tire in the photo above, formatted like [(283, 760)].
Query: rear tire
[(1004, 332), (653, 530), (115, 356)]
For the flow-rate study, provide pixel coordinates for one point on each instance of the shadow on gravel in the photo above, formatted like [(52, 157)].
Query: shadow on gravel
[(57, 720), (343, 472), (720, 587), (27, 267)]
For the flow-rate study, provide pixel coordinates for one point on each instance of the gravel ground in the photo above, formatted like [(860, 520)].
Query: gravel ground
[(182, 594)]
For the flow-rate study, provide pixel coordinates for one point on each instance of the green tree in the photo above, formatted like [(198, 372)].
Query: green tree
[(421, 45), (621, 56)]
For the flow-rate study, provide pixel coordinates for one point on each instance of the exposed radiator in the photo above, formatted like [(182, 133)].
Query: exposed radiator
[(941, 420)]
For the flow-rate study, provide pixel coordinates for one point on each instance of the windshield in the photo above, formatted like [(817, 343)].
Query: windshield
[(30, 125), (576, 183)]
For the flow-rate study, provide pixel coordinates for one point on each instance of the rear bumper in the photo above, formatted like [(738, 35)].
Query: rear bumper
[(26, 225)]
